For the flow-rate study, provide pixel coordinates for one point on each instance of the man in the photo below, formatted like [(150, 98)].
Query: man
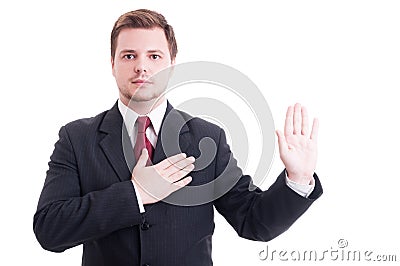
[(118, 207)]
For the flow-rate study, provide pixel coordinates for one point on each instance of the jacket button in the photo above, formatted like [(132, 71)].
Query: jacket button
[(145, 226)]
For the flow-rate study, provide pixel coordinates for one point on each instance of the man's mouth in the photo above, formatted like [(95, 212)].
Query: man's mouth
[(141, 81)]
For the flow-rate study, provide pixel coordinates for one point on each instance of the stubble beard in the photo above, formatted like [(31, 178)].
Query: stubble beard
[(141, 95)]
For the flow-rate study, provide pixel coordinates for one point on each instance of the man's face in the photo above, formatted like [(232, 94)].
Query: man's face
[(141, 53)]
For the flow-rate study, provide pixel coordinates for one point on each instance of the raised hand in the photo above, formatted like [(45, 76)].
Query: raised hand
[(156, 182), (297, 146)]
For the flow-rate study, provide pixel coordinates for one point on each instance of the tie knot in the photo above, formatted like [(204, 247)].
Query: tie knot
[(143, 122)]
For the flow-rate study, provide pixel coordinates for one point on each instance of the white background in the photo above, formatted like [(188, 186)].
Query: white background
[(339, 58)]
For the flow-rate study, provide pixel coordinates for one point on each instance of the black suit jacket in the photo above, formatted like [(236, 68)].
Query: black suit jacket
[(88, 199)]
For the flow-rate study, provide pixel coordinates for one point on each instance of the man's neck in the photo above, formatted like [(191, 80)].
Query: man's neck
[(143, 107)]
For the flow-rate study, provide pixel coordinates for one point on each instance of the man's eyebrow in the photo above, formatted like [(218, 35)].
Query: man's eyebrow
[(155, 52), (125, 51), (131, 51)]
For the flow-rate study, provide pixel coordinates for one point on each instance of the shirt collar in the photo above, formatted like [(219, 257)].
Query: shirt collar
[(129, 116)]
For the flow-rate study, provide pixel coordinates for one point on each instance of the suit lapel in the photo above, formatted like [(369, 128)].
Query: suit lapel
[(115, 142), (173, 137)]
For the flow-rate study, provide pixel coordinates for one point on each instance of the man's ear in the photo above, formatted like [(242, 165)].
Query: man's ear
[(112, 66), (172, 67)]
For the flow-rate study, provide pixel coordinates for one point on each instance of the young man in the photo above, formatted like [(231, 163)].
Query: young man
[(118, 208)]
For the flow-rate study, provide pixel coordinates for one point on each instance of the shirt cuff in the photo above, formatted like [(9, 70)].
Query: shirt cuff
[(301, 189), (139, 199)]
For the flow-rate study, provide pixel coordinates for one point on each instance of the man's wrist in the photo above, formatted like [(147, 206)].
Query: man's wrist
[(301, 178), (303, 190)]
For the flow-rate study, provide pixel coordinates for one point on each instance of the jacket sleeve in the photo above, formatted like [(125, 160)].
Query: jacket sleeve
[(255, 214), (65, 218)]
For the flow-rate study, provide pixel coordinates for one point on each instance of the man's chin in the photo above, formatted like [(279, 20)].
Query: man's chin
[(142, 97)]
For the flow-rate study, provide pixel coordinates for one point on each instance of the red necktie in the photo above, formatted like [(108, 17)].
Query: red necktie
[(143, 122)]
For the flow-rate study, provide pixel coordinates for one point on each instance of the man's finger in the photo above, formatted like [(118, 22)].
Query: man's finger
[(314, 131), (143, 158), (289, 121), (171, 160), (179, 174), (178, 166), (304, 120), (282, 144), (182, 183), (297, 119)]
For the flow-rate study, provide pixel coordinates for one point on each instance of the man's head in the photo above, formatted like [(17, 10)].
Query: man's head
[(142, 44)]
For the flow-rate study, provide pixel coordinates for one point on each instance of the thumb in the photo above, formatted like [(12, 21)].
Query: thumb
[(143, 158)]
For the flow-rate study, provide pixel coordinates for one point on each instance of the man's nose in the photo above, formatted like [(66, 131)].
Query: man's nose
[(140, 66)]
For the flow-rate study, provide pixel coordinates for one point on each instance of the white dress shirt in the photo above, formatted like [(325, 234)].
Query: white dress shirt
[(129, 116), (156, 116)]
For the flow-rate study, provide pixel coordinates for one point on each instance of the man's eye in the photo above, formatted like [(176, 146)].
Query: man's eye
[(155, 56), (129, 56)]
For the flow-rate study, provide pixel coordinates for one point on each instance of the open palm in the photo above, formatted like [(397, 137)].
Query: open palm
[(297, 146)]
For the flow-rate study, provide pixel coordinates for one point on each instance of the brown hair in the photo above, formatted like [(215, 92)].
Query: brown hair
[(144, 19)]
